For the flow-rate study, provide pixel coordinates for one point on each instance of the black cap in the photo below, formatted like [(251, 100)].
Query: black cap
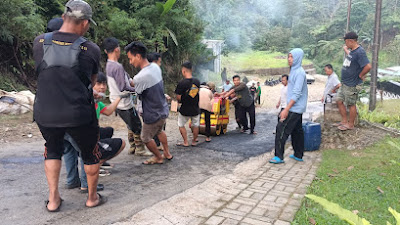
[(351, 35), (54, 24)]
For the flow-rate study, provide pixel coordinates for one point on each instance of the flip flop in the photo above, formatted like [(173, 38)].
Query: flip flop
[(102, 200), (151, 161), (167, 158), (181, 145), (254, 132), (338, 124), (54, 210), (276, 160), (344, 128), (296, 158), (208, 140)]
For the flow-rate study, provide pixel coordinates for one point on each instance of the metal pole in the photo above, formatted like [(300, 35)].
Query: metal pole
[(375, 56), (348, 22), (348, 16)]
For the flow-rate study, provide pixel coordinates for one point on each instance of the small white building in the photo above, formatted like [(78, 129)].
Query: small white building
[(216, 46)]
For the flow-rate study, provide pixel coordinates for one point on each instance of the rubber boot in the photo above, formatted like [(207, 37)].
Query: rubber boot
[(140, 149), (131, 139)]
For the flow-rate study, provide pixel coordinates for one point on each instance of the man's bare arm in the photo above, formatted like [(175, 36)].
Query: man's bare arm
[(364, 72)]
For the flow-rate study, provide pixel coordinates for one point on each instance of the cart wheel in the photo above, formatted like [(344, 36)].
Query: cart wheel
[(218, 130), (224, 129)]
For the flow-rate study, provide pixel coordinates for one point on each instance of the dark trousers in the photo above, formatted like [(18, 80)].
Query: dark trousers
[(292, 125), (106, 132), (258, 100), (251, 110), (207, 119), (132, 120), (238, 109)]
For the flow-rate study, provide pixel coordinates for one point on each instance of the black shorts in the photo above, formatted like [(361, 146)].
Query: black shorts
[(85, 136), (106, 132), (109, 147)]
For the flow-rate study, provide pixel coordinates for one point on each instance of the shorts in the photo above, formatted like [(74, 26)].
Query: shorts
[(182, 120), (85, 136), (348, 95), (151, 130), (109, 147)]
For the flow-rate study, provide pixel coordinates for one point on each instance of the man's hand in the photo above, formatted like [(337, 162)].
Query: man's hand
[(322, 99), (345, 48), (284, 114), (363, 77), (125, 95), (277, 105), (334, 90)]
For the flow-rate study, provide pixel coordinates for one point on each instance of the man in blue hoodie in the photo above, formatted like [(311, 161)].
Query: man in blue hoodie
[(290, 122)]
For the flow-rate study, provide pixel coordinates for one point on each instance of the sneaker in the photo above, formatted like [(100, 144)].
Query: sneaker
[(72, 186), (100, 187), (295, 158), (276, 160), (106, 165), (104, 173)]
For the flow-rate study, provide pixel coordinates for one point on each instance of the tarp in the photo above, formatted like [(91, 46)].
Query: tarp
[(15, 103)]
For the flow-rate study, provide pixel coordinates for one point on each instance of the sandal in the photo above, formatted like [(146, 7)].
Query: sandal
[(54, 210), (152, 161), (296, 158), (344, 128), (167, 158), (181, 145), (102, 200), (338, 124), (276, 160)]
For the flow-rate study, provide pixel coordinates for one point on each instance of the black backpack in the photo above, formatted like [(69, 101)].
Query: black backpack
[(64, 97)]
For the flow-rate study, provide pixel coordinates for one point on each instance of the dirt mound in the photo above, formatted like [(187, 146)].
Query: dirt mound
[(362, 136)]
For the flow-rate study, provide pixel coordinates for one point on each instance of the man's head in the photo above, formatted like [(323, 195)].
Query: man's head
[(155, 58), (137, 53), (350, 39), (236, 80), (101, 83), (111, 46), (253, 84), (227, 81), (54, 24), (77, 17), (285, 78), (258, 83), (187, 69), (328, 69)]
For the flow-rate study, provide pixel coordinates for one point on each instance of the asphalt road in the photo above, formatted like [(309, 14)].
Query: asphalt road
[(131, 187)]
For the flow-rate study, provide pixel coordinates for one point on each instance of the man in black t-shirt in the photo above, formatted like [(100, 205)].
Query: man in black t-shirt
[(253, 90), (187, 93), (67, 65)]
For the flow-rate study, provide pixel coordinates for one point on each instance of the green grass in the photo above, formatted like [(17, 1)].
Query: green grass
[(356, 189), (386, 113), (255, 60)]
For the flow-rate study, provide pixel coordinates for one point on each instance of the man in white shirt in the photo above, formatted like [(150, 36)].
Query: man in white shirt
[(227, 86), (332, 84), (282, 100)]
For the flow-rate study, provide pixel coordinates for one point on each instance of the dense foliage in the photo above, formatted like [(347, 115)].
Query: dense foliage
[(314, 25), (169, 27)]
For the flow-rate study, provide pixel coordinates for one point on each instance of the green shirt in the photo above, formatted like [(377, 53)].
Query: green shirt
[(259, 90), (100, 107)]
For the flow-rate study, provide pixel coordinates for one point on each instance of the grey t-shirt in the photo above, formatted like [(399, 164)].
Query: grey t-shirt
[(243, 95), (150, 87), (354, 63)]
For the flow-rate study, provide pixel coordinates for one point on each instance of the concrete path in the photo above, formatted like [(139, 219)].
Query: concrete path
[(255, 193)]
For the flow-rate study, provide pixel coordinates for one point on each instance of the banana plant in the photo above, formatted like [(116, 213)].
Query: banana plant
[(163, 9)]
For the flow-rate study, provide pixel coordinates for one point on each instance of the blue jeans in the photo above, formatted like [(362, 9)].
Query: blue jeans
[(71, 152)]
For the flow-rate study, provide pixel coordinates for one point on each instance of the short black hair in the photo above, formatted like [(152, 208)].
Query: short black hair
[(203, 83), (152, 57), (329, 66), (54, 24), (137, 47), (236, 76), (285, 75), (110, 44), (187, 65), (101, 78)]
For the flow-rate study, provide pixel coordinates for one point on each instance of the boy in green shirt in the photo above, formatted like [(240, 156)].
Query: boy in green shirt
[(258, 100)]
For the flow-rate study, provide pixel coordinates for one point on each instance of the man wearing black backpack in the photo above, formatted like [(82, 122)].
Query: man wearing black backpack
[(67, 65)]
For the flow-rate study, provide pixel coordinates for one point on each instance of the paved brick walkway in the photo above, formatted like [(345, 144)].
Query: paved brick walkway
[(256, 193)]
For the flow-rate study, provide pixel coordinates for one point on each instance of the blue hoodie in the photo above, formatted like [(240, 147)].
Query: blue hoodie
[(297, 86)]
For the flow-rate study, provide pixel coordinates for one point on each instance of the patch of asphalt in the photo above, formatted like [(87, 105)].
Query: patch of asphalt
[(131, 187)]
